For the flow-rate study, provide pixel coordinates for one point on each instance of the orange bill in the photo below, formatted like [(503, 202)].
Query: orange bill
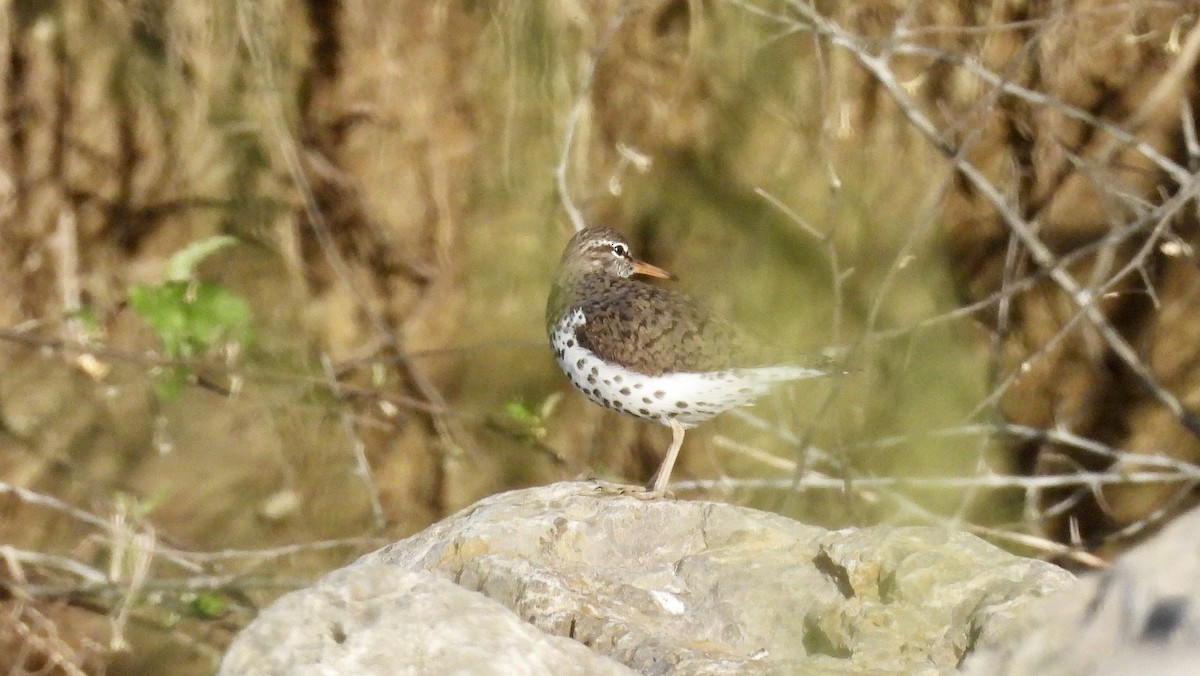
[(644, 268)]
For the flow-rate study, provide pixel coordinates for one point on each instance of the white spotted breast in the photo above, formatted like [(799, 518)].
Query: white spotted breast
[(687, 397)]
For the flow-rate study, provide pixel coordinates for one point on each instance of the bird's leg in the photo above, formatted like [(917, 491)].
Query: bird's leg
[(663, 475)]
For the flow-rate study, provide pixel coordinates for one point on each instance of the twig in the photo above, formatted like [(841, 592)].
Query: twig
[(66, 247), (576, 111), (362, 467), (251, 27), (50, 502), (53, 561), (1042, 255), (1127, 459), (1166, 164), (274, 552), (129, 567), (1041, 544), (815, 481), (197, 583)]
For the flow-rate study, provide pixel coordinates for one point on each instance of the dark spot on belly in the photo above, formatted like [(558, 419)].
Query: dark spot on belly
[(595, 371), (643, 411), (681, 404), (570, 342), (625, 390), (647, 400), (1165, 618), (638, 386), (592, 379), (579, 364), (617, 379), (659, 394)]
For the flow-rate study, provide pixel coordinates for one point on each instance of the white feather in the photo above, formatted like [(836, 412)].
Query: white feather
[(689, 397)]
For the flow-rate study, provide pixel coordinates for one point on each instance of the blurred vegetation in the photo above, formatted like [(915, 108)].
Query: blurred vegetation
[(272, 279), (190, 317)]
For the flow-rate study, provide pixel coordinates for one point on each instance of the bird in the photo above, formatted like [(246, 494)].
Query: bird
[(648, 351)]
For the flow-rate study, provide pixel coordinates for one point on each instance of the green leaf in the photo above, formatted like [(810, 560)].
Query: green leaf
[(163, 307), (208, 605), (190, 317), (529, 421), (517, 410), (216, 315), (184, 262)]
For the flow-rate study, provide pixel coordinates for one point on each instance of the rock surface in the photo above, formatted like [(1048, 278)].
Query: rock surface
[(380, 619), (659, 586), (1142, 616)]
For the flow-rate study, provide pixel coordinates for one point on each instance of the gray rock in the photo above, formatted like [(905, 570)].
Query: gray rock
[(660, 586), (380, 619), (1140, 616)]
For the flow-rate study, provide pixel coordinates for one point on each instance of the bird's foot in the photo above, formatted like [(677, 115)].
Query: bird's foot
[(639, 492), (651, 494)]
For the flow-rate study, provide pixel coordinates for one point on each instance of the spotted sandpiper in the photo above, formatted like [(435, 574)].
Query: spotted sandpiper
[(645, 350)]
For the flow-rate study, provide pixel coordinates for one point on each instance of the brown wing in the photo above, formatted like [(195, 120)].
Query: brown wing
[(653, 330)]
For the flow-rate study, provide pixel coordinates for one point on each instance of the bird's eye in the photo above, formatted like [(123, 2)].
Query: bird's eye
[(620, 250)]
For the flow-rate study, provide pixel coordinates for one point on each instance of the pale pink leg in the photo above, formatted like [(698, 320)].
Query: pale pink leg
[(663, 476)]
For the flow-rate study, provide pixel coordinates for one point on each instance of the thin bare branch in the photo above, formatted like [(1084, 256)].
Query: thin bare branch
[(362, 466)]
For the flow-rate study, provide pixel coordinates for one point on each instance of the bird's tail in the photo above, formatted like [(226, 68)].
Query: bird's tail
[(780, 373)]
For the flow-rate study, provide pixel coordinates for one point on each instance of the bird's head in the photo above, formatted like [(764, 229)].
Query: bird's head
[(604, 249)]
